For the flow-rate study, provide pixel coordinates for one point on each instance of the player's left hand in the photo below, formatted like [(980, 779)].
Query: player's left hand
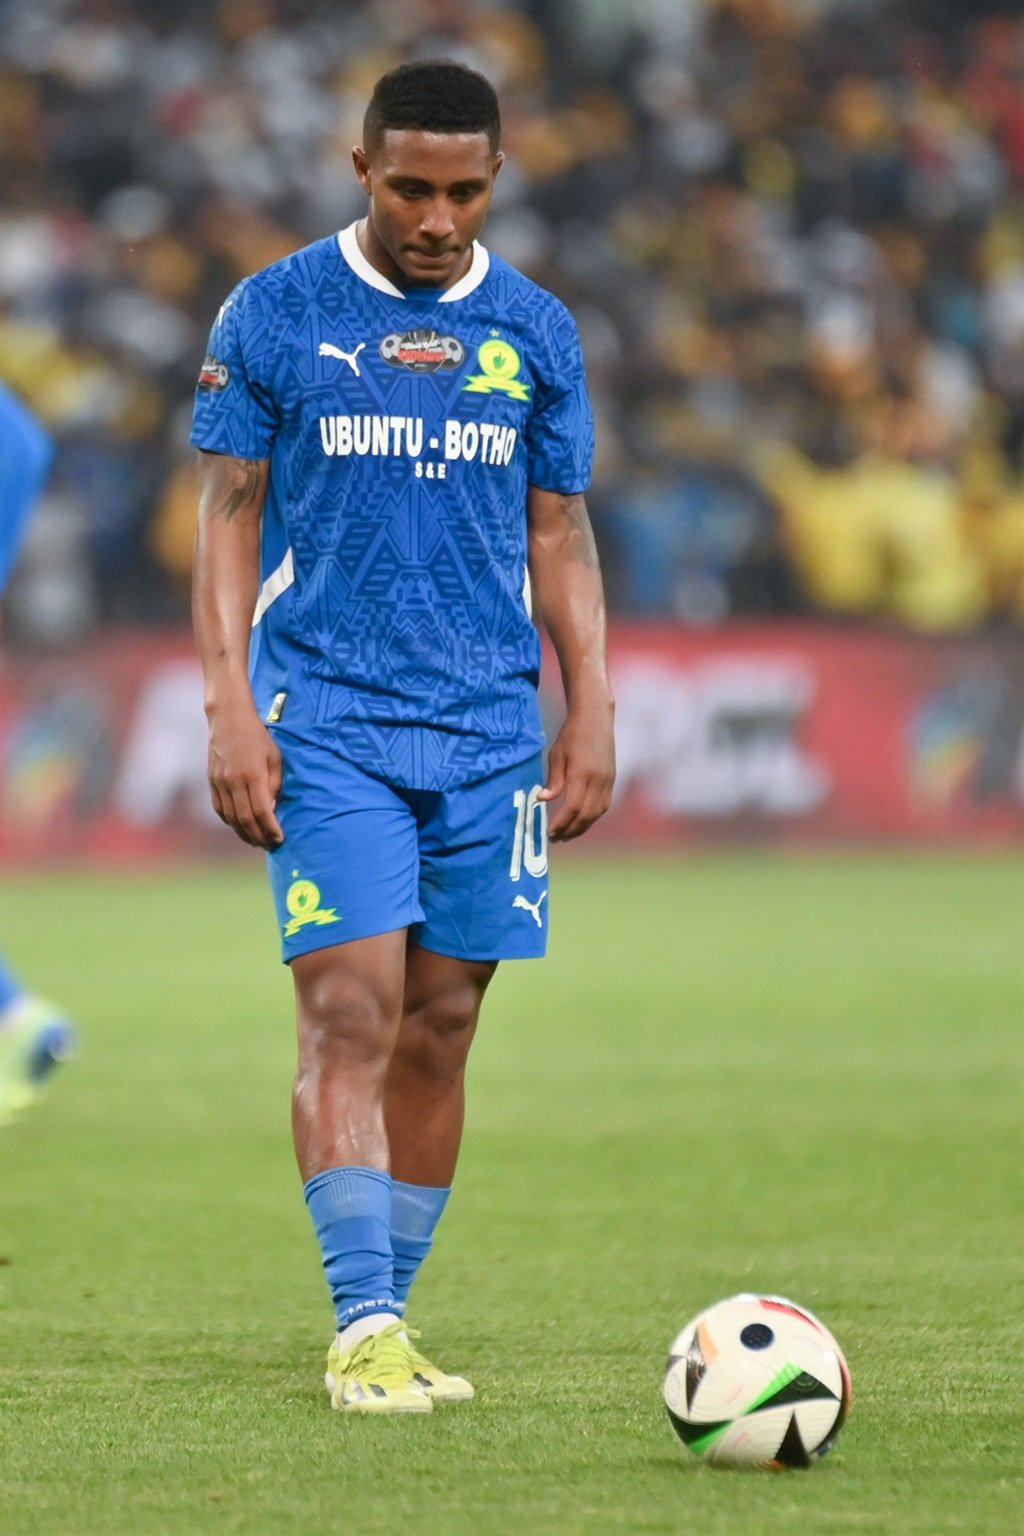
[(581, 772)]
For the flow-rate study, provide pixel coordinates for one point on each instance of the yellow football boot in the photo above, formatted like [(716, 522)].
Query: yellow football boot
[(376, 1375)]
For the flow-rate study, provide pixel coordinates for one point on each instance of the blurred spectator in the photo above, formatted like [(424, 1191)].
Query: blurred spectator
[(791, 231)]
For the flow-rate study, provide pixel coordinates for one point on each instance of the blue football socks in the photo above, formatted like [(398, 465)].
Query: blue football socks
[(351, 1211), (416, 1210)]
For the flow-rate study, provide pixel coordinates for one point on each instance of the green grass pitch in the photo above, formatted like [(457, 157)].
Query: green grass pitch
[(801, 1075)]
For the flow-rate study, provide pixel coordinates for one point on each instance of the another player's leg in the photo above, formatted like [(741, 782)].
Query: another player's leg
[(34, 1038), (425, 1109), (349, 1004)]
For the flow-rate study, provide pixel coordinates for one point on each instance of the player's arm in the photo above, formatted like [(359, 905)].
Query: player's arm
[(569, 600), (244, 761)]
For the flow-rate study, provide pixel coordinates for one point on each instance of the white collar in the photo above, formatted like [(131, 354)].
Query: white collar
[(352, 254)]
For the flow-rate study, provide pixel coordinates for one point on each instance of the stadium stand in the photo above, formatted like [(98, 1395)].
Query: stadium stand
[(790, 230)]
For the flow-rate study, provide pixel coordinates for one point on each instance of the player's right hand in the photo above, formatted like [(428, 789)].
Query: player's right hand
[(245, 776)]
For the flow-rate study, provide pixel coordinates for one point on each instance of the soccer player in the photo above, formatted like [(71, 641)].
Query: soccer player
[(34, 1035), (396, 440)]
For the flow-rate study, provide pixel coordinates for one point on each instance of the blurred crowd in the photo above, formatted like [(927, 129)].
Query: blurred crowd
[(792, 232)]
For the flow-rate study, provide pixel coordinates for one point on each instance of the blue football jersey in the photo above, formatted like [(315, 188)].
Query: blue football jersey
[(403, 429)]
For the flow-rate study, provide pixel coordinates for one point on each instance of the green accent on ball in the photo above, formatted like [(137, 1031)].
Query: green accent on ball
[(713, 1433), (703, 1441), (788, 1374)]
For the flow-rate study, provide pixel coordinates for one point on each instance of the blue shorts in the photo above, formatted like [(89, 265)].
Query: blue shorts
[(465, 870)]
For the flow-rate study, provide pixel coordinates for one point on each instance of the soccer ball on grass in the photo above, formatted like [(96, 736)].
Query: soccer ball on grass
[(756, 1381)]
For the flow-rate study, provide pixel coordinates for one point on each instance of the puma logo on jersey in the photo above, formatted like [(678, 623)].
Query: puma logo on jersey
[(327, 349), (531, 906)]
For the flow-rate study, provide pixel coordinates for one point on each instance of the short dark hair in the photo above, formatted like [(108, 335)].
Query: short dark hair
[(437, 96)]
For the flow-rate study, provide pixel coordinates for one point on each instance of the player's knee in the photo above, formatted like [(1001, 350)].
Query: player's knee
[(436, 1038), (341, 1014)]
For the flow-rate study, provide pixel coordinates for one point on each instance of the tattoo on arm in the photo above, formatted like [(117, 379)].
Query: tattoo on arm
[(241, 491), (579, 536), (228, 485)]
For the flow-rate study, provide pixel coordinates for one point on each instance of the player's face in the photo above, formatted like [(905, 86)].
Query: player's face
[(429, 195)]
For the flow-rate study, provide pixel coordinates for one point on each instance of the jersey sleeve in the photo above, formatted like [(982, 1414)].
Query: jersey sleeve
[(233, 412), (560, 432)]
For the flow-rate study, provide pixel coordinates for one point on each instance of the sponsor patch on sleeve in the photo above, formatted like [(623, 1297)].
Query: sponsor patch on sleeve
[(213, 374)]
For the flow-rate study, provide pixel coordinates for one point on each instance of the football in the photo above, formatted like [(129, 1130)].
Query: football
[(757, 1381)]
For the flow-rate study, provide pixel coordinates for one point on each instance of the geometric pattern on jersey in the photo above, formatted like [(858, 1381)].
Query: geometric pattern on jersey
[(403, 430)]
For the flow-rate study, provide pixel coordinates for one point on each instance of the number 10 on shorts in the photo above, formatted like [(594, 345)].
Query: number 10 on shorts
[(530, 839)]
